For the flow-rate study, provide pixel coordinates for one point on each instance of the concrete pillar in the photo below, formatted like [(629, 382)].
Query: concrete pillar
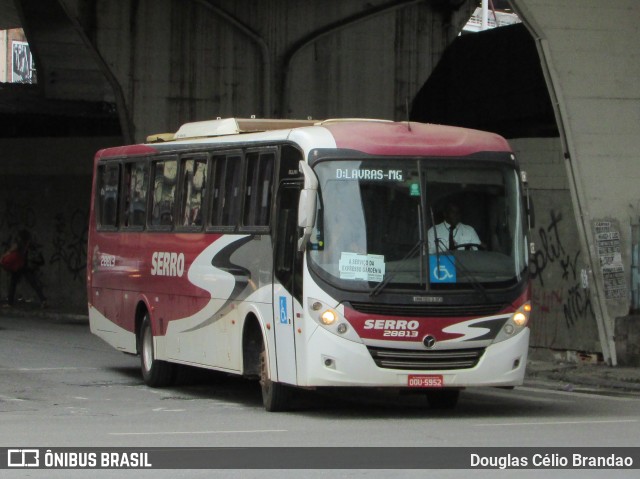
[(589, 55)]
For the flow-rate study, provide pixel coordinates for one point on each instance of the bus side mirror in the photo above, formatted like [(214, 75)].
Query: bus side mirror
[(307, 204)]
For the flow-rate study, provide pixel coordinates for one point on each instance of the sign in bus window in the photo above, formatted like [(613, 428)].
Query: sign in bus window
[(363, 267), (442, 268)]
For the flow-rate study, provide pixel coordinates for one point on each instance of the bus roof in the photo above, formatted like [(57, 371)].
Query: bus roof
[(235, 126), (374, 137), (410, 138)]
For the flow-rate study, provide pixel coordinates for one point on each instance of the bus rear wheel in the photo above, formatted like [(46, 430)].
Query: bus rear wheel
[(443, 398), (275, 396), (155, 373)]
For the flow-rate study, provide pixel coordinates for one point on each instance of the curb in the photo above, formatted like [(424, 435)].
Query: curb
[(596, 376), (52, 315)]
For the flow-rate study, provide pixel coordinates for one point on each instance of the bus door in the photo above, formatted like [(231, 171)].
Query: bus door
[(287, 282)]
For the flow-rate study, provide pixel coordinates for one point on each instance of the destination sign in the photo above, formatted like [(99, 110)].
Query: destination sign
[(369, 174)]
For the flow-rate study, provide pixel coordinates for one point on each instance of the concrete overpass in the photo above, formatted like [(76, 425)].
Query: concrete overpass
[(112, 72)]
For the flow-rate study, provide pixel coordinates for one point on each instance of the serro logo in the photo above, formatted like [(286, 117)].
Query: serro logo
[(391, 324), (164, 263)]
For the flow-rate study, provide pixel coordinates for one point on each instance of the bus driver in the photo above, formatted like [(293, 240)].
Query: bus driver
[(451, 234)]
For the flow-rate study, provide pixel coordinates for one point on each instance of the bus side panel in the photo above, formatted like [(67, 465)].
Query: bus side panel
[(110, 332), (235, 274), (156, 264)]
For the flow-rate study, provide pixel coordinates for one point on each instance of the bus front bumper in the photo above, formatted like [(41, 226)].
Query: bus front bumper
[(334, 361)]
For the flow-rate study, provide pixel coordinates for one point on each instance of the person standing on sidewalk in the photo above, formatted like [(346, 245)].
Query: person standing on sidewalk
[(16, 262)]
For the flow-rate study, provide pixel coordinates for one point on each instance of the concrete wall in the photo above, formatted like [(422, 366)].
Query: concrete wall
[(186, 60), (45, 187), (591, 58), (563, 316), (180, 61)]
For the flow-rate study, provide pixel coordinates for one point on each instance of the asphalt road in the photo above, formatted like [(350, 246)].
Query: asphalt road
[(62, 387)]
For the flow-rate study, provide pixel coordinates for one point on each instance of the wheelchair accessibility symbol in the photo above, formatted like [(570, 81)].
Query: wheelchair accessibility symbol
[(284, 317), (442, 273), (443, 269)]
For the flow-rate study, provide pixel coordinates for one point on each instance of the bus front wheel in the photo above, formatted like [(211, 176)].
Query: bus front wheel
[(275, 396), (154, 373)]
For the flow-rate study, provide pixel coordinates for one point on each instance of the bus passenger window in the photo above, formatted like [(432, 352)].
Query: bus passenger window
[(259, 181), (231, 202), (194, 180), (108, 185), (135, 201), (249, 188), (225, 200), (164, 190), (217, 193)]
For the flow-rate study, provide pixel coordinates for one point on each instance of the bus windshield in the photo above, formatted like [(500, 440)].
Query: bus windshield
[(419, 224)]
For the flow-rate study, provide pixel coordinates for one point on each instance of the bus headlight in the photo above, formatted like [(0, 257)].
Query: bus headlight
[(521, 316), (516, 323), (331, 319)]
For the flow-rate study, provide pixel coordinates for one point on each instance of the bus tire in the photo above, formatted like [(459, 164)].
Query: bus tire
[(155, 374), (443, 398), (276, 396)]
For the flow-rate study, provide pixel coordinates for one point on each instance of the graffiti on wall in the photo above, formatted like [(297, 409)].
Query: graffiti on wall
[(67, 244), (70, 242), (16, 216), (552, 259)]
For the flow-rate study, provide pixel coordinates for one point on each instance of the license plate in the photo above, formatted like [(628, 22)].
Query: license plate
[(425, 381)]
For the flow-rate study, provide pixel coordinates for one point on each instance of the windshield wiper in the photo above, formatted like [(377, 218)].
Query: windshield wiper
[(474, 282), (380, 286), (417, 247), (477, 286), (410, 254)]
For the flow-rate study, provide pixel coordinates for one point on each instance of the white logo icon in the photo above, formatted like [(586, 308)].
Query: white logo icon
[(23, 458), (441, 272)]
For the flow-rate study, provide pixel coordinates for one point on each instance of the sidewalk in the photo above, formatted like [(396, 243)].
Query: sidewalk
[(546, 371), (544, 368)]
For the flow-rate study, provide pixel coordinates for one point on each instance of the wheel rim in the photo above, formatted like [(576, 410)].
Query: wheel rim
[(147, 349)]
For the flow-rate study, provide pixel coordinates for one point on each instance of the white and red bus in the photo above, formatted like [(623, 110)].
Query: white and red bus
[(303, 254)]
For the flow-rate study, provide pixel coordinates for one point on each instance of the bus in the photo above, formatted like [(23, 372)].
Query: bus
[(308, 254)]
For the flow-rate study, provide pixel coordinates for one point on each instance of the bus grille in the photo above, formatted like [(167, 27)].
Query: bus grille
[(425, 360), (421, 310)]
